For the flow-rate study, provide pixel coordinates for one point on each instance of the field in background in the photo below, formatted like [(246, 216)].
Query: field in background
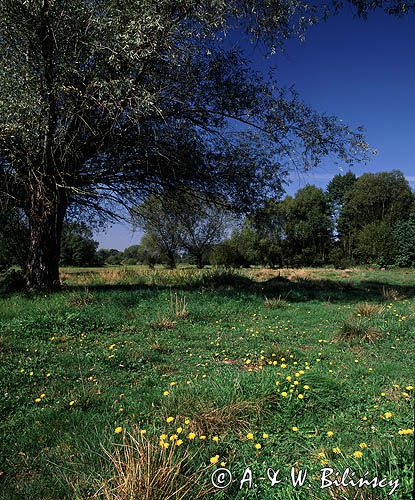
[(137, 383)]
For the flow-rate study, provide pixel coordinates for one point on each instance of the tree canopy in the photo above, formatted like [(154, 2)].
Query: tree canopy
[(104, 101)]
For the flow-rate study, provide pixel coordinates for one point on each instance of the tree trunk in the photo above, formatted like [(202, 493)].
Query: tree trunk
[(171, 260), (199, 261), (46, 217)]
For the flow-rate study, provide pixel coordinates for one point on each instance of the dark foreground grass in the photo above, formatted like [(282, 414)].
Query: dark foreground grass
[(199, 367)]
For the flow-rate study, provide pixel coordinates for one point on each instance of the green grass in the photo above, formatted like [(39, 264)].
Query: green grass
[(113, 341)]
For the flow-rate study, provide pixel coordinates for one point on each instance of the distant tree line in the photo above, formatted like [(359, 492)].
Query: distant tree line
[(356, 220)]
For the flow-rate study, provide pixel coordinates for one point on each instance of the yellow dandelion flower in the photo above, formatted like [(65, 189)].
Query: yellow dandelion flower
[(117, 430), (166, 445), (179, 430), (71, 403), (187, 421), (409, 388), (265, 435), (284, 394), (179, 442), (163, 437), (215, 438), (405, 432), (295, 429), (223, 464), (202, 437), (388, 415), (249, 435), (38, 400), (363, 445), (166, 393), (142, 431), (358, 454), (330, 434), (215, 459), (336, 451), (173, 437), (301, 396), (258, 446), (191, 436), (169, 419)]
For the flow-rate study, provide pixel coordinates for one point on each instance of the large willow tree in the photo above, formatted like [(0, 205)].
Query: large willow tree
[(104, 101)]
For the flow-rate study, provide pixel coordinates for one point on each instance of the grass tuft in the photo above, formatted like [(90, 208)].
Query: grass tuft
[(367, 309), (275, 303), (143, 470), (359, 330)]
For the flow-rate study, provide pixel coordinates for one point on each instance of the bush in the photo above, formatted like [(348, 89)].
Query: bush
[(404, 235), (339, 259)]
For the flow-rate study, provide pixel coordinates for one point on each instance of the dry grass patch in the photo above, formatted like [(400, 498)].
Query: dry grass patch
[(367, 309), (389, 293), (164, 323), (178, 306), (146, 471), (233, 417)]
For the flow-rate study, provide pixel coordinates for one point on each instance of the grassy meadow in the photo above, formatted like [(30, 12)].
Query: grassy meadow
[(137, 384)]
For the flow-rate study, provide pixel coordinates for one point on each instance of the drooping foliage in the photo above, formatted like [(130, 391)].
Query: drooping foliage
[(104, 101)]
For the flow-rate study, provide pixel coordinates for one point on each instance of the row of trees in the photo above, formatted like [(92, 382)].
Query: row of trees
[(365, 220), (356, 220)]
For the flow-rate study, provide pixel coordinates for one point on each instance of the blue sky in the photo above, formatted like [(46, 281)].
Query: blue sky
[(361, 71)]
